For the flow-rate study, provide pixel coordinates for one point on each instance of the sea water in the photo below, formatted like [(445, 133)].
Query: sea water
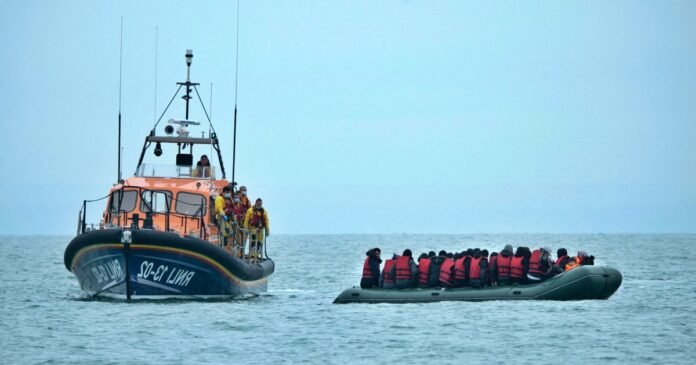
[(46, 319)]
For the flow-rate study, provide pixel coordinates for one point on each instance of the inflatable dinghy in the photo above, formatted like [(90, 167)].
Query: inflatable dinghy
[(584, 282)]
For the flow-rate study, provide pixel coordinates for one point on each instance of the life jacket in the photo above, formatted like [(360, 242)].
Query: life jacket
[(446, 272), (403, 268), (504, 266), (367, 273), (535, 265), (257, 219), (559, 260), (572, 263), (245, 201), (460, 273), (229, 204), (475, 268), (516, 267), (238, 212), (423, 269), (386, 272)]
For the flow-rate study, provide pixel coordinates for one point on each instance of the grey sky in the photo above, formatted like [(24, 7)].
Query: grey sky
[(362, 116)]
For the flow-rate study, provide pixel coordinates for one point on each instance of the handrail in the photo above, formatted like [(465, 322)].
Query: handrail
[(250, 253)]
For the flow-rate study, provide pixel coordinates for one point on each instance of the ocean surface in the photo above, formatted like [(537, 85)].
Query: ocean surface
[(46, 319)]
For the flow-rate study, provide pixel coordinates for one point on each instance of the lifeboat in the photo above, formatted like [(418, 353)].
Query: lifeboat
[(159, 236), (584, 282)]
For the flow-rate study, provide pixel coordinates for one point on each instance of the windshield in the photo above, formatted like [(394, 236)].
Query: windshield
[(161, 170)]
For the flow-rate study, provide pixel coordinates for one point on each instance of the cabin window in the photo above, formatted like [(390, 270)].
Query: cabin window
[(160, 201), (127, 202), (190, 204)]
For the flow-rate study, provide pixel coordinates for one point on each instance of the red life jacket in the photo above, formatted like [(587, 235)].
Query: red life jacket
[(257, 219), (386, 272), (423, 269), (504, 267), (535, 264), (403, 268), (446, 272), (516, 267), (367, 273), (475, 268), (572, 263), (558, 260), (238, 212), (459, 271), (228, 205)]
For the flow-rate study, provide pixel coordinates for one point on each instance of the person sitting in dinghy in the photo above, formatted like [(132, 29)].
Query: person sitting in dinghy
[(370, 275), (540, 265), (386, 279), (562, 258), (424, 268), (502, 266), (478, 269), (519, 264), (581, 259), (405, 271)]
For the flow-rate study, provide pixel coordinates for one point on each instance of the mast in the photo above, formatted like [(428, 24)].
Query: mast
[(236, 78), (188, 83), (120, 77)]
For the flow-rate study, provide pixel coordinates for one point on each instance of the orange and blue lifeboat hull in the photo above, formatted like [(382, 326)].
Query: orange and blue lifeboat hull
[(148, 264)]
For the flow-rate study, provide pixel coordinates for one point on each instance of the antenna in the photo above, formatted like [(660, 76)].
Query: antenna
[(210, 132), (120, 78), (154, 117), (236, 78)]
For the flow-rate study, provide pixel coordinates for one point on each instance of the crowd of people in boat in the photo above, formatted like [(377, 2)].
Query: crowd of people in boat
[(469, 268), (236, 218)]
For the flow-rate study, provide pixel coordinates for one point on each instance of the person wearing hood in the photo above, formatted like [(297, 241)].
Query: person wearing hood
[(386, 279), (370, 274), (540, 264), (405, 271), (478, 269), (502, 268)]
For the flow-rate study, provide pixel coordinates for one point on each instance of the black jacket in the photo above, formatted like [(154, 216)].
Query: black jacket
[(373, 280), (434, 271)]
